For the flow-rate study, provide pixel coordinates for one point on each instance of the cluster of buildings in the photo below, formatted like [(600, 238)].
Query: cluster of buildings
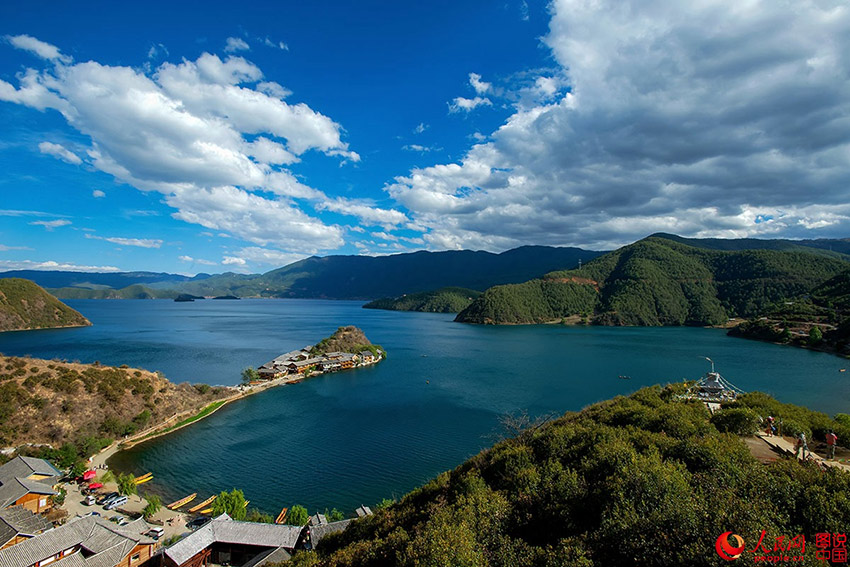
[(298, 362), (28, 539), (225, 541)]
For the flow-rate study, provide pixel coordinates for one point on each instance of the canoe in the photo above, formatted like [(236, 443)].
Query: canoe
[(207, 511), (143, 477), (281, 517), (182, 501), (144, 480), (247, 502), (203, 504)]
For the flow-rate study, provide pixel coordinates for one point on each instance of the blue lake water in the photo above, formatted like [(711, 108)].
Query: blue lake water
[(359, 436)]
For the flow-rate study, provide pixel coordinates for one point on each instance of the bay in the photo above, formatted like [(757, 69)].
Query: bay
[(356, 437)]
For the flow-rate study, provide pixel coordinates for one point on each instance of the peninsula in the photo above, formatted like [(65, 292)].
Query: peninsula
[(24, 306), (347, 348)]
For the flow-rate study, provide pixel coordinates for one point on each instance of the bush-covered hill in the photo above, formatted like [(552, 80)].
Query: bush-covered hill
[(87, 405), (657, 281), (443, 300), (345, 339), (24, 305), (135, 291), (638, 481)]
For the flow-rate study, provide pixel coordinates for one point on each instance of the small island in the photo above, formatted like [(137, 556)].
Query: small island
[(347, 348), (443, 300)]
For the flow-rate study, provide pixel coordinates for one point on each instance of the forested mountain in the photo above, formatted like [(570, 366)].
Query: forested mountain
[(24, 305), (657, 281), (443, 300), (97, 280), (643, 480), (360, 277), (836, 247)]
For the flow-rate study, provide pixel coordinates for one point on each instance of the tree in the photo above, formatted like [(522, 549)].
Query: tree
[(231, 503), (815, 335), (249, 375), (297, 516), (153, 505), (126, 484), (255, 515), (334, 515)]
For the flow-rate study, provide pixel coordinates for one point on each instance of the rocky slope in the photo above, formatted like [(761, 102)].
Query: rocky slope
[(24, 305)]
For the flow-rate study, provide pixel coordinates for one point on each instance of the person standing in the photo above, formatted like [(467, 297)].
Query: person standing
[(801, 444), (831, 441)]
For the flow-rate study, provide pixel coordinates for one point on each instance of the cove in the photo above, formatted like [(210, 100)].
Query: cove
[(356, 437)]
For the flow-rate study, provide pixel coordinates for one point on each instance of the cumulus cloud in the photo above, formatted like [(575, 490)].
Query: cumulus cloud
[(209, 135), (366, 213), (98, 194), (481, 87), (461, 104), (234, 44), (419, 148), (138, 242), (702, 118), (52, 265), (59, 151), (50, 225), (257, 255), (276, 44)]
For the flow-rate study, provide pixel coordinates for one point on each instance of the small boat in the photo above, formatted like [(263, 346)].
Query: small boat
[(142, 478), (621, 377), (203, 504), (281, 517), (842, 370), (182, 501), (247, 502), (207, 511)]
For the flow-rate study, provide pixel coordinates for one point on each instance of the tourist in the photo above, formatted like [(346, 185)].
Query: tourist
[(770, 429), (801, 444), (831, 440)]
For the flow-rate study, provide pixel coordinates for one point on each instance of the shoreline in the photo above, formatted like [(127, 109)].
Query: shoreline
[(166, 428), (47, 328)]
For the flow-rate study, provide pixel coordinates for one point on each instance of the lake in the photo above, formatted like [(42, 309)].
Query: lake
[(357, 437)]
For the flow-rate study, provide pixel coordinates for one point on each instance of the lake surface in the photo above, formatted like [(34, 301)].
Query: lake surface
[(356, 437)]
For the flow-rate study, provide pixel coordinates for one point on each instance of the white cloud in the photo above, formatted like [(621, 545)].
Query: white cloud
[(51, 265), (209, 135), (138, 242), (236, 44), (468, 104), (98, 194), (50, 225), (368, 215), (481, 87), (191, 260), (4, 248), (420, 128), (692, 118), (40, 48), (59, 151), (420, 148), (157, 50), (277, 45), (257, 255), (385, 236)]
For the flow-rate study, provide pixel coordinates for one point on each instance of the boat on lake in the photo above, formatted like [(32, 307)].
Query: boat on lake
[(203, 504), (182, 501)]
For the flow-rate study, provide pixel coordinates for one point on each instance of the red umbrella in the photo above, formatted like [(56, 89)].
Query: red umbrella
[(88, 475), (94, 485)]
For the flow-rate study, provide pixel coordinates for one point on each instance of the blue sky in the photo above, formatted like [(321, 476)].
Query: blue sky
[(218, 136)]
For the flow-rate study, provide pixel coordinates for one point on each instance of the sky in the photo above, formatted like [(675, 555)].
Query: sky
[(217, 136)]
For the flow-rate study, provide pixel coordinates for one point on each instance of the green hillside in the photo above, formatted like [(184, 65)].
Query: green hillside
[(135, 291), (443, 300), (834, 292), (657, 281), (24, 305), (641, 481)]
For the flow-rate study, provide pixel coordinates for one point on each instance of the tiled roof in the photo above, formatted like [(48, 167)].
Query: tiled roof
[(95, 534), (7, 532), (223, 529), (319, 532), (25, 466), (14, 488), (23, 521)]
